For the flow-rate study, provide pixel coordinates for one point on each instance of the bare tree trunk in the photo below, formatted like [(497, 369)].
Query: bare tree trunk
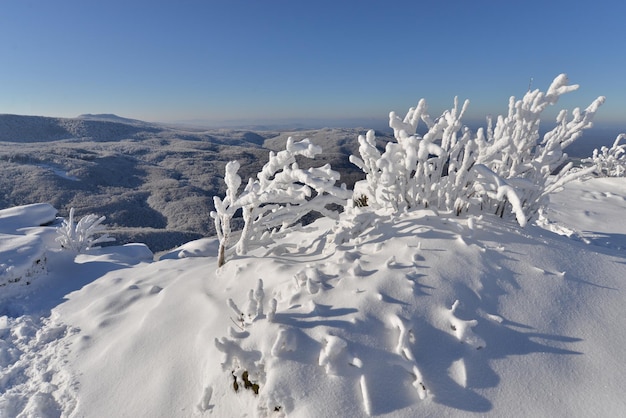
[(221, 256)]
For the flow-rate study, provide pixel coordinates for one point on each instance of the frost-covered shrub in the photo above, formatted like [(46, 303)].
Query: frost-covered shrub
[(82, 235), (503, 168), (280, 196), (609, 162)]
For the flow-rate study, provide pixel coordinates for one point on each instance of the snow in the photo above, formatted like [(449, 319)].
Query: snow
[(22, 257), (13, 219), (22, 249), (375, 314), (61, 173), (597, 215)]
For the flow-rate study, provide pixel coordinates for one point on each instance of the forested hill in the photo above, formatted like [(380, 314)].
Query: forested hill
[(154, 183), (18, 128)]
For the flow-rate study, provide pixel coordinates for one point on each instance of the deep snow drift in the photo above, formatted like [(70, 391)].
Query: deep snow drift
[(411, 315)]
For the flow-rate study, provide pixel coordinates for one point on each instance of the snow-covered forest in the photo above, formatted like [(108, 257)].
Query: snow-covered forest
[(451, 271), (154, 183)]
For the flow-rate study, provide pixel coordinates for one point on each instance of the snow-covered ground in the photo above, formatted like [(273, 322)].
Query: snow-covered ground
[(381, 315)]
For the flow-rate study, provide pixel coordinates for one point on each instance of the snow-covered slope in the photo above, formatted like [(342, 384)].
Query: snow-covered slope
[(414, 315), (596, 216)]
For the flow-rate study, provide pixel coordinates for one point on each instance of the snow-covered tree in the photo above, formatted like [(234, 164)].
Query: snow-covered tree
[(505, 168), (280, 196), (609, 162), (81, 236)]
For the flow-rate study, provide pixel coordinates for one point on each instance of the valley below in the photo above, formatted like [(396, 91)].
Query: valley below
[(154, 183)]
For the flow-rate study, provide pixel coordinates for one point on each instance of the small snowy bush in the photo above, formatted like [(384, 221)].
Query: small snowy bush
[(81, 236), (505, 168), (610, 162), (280, 196)]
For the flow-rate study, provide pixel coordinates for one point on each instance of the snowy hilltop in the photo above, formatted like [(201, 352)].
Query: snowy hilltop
[(466, 274), (416, 315)]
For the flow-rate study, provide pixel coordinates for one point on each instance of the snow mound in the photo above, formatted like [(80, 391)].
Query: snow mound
[(597, 217), (23, 246), (21, 257), (18, 217), (413, 314), (205, 247)]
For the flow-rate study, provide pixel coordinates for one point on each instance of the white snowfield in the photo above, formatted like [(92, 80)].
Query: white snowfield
[(375, 314), (23, 249)]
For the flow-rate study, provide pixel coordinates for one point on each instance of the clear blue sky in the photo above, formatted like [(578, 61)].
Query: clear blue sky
[(268, 59)]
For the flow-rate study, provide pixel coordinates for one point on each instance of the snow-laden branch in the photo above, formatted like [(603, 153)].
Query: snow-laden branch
[(609, 162), (280, 196), (452, 168), (497, 188)]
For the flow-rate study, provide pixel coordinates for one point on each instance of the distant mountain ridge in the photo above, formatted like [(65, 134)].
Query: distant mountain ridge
[(111, 117), (24, 129)]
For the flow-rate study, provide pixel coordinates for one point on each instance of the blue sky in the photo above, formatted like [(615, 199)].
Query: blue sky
[(288, 59)]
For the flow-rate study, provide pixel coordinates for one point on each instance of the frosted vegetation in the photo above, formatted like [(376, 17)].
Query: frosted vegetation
[(507, 168), (81, 236), (281, 195), (609, 162)]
